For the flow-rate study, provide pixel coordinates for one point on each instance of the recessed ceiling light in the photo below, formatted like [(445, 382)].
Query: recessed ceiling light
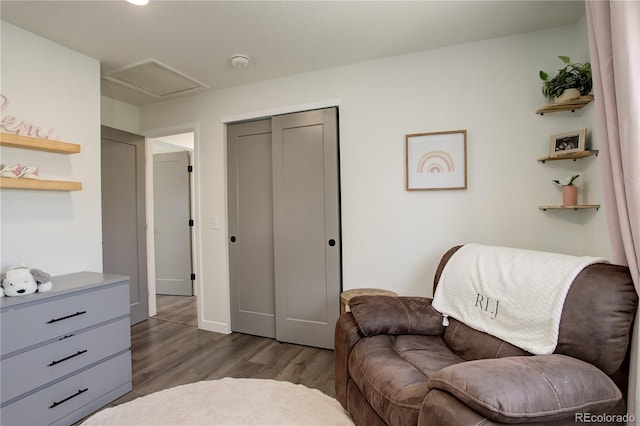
[(138, 2), (240, 61)]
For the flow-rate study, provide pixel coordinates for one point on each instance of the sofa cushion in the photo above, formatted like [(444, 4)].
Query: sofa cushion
[(602, 291), (472, 344), (396, 315), (392, 372), (440, 408), (529, 389), (359, 408), (602, 296)]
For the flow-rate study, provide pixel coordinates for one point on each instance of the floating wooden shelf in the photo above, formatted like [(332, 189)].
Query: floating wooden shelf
[(579, 207), (47, 185), (38, 144), (568, 105), (571, 156)]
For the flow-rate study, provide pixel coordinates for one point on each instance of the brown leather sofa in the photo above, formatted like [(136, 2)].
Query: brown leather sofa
[(396, 364)]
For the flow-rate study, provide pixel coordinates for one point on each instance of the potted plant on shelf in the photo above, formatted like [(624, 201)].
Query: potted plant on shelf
[(572, 81), (569, 190)]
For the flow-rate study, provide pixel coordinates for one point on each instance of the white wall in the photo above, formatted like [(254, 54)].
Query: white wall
[(596, 233), (393, 238), (119, 115), (54, 88)]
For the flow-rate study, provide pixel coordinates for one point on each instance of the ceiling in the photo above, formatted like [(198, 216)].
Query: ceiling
[(198, 38)]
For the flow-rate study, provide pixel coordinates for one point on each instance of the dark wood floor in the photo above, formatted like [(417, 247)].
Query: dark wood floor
[(180, 309), (169, 350)]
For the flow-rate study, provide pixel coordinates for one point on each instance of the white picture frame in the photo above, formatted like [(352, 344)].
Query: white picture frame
[(567, 143)]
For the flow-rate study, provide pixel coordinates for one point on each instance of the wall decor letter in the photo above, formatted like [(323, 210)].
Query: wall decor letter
[(11, 124)]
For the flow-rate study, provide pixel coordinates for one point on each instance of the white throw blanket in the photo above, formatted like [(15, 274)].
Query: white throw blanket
[(516, 295)]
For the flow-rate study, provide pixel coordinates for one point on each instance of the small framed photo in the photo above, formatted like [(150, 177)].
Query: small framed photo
[(566, 143), (436, 161)]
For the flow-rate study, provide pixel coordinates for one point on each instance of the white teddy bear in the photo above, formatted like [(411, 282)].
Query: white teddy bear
[(22, 281)]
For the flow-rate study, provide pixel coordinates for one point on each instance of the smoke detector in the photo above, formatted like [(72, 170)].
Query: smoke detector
[(240, 61)]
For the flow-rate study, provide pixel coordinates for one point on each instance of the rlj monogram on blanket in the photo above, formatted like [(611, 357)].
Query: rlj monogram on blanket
[(487, 304)]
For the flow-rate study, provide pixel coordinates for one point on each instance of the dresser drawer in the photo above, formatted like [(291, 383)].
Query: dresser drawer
[(29, 370), (33, 323), (59, 400)]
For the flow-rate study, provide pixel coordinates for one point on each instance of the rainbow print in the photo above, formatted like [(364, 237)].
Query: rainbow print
[(436, 162)]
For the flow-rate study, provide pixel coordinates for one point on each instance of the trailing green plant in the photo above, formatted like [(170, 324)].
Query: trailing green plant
[(569, 181), (572, 76)]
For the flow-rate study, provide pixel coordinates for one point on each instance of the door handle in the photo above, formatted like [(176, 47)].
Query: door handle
[(332, 242)]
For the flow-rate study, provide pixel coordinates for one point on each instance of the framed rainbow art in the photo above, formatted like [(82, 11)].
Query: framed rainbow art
[(436, 161)]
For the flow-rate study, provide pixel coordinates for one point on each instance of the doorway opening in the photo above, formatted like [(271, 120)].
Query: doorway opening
[(172, 267)]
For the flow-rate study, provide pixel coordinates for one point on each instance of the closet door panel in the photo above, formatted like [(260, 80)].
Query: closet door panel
[(306, 226), (303, 234), (251, 228)]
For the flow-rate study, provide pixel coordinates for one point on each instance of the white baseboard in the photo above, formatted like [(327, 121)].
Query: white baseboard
[(216, 327)]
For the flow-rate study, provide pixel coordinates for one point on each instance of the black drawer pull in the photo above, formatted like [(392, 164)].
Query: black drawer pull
[(67, 317), (67, 358), (66, 336), (81, 391)]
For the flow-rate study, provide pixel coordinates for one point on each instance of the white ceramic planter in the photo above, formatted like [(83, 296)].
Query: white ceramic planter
[(568, 94)]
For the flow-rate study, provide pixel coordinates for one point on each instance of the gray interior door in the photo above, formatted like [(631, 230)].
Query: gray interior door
[(251, 275), (172, 233), (307, 236), (123, 214)]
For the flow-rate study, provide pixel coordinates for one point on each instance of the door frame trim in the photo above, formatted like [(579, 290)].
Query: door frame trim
[(268, 113)]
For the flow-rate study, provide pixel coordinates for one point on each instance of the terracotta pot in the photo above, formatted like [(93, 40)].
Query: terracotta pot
[(569, 195)]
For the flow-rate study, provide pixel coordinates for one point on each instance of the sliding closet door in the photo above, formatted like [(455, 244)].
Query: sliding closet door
[(251, 228), (306, 226)]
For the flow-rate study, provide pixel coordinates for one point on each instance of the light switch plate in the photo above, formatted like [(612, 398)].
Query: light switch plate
[(214, 223)]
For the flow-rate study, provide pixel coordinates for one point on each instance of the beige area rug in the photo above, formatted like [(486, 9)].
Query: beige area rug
[(228, 402)]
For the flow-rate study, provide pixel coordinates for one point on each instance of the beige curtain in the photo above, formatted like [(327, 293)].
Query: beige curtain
[(614, 41)]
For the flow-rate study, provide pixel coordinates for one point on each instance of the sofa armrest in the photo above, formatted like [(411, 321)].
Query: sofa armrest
[(529, 388), (396, 315), (346, 335)]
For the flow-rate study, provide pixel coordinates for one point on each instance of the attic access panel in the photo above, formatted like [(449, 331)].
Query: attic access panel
[(154, 79)]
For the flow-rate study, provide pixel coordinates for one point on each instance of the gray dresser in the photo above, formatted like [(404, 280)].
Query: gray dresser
[(65, 353)]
